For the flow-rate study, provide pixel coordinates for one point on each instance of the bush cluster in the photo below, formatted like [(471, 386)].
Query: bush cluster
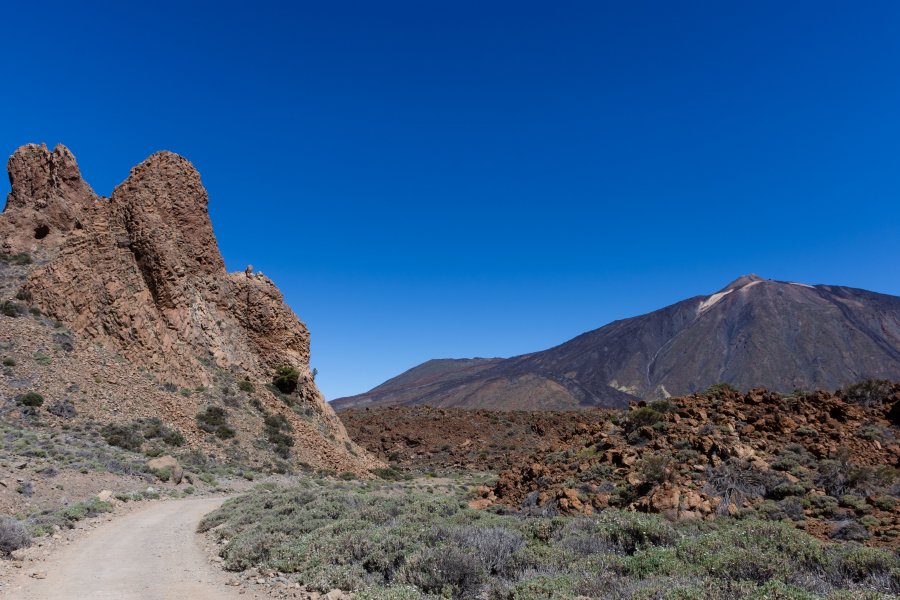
[(286, 379), (868, 392), (30, 399), (44, 521), (214, 419), (131, 436), (11, 309), (22, 258), (278, 432), (13, 535), (389, 540)]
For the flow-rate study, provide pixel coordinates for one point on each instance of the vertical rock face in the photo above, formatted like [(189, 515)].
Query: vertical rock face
[(163, 208), (142, 269), (48, 196), (141, 272)]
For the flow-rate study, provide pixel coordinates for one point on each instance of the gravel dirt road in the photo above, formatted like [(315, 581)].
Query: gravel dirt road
[(153, 553)]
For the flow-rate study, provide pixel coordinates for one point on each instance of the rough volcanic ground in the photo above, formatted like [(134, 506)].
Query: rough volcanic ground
[(435, 439), (827, 462)]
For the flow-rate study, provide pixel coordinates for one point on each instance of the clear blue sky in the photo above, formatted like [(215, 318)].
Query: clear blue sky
[(433, 179)]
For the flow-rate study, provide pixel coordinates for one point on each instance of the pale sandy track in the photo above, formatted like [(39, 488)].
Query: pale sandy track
[(150, 554)]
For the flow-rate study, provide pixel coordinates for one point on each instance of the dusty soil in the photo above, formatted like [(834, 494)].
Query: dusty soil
[(151, 553)]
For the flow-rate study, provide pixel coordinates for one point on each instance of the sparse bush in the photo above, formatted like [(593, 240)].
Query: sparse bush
[(849, 530), (493, 547), (887, 503), (62, 409), (719, 389), (443, 571), (277, 429), (655, 468), (642, 417), (163, 474), (129, 437), (42, 359), (868, 392), (9, 361), (11, 309), (31, 399), (22, 258), (172, 437), (736, 481), (662, 406), (286, 379), (390, 474), (214, 420), (839, 476), (43, 522), (246, 386), (13, 536)]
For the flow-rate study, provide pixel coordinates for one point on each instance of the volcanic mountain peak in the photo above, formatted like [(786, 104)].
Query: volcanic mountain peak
[(742, 281), (753, 332)]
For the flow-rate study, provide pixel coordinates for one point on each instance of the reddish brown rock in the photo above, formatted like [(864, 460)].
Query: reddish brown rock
[(47, 199), (141, 273)]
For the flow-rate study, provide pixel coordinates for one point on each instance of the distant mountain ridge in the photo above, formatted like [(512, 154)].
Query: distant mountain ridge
[(753, 332)]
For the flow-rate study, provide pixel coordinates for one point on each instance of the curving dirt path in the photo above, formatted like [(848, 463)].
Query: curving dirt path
[(150, 554)]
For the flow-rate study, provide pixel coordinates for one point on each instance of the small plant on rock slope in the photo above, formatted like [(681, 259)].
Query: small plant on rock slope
[(214, 420), (31, 399), (278, 430), (286, 379)]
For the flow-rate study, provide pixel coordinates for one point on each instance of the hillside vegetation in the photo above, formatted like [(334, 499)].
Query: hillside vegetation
[(406, 541)]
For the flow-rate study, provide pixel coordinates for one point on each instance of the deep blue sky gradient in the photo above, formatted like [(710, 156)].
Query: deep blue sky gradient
[(431, 179)]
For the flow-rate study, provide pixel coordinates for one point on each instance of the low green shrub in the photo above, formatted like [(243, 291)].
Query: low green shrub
[(214, 420), (389, 540), (286, 379), (43, 522), (277, 429), (868, 392), (30, 399), (11, 309), (718, 389)]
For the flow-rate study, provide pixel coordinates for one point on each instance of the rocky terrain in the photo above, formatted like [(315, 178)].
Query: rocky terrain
[(828, 462), (118, 311), (437, 440), (753, 332)]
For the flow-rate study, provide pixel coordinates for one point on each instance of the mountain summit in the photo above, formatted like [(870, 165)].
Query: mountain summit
[(753, 332)]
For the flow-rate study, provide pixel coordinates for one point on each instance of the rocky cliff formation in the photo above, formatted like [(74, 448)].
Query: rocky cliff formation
[(140, 273)]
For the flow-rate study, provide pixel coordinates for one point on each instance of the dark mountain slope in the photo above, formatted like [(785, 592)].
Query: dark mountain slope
[(753, 332)]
